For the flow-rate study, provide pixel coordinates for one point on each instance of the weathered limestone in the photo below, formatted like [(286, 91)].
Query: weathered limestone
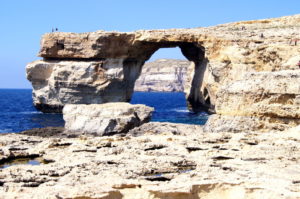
[(100, 45), (237, 124), (247, 69), (275, 94), (105, 119), (155, 160), (260, 101), (163, 75), (56, 83), (218, 56)]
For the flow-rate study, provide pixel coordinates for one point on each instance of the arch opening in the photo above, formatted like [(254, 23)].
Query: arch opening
[(197, 95), (155, 71), (165, 71)]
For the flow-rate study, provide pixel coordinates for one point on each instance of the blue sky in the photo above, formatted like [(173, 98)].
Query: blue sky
[(22, 23)]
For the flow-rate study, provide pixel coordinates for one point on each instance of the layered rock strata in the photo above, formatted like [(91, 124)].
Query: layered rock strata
[(56, 83), (163, 75), (260, 101), (155, 160), (105, 119), (218, 56)]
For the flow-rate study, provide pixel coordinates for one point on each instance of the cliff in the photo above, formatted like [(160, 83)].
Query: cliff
[(260, 101), (218, 55), (113, 61), (247, 72), (163, 75)]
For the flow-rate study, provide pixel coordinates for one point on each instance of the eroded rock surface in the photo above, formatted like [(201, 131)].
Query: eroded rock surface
[(163, 75), (105, 119), (155, 160), (259, 101), (56, 83), (218, 56)]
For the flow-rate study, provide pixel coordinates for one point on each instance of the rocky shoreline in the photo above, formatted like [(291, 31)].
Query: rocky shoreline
[(155, 160), (101, 67), (93, 157), (250, 147)]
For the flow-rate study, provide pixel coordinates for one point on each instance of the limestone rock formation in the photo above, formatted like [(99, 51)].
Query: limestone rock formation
[(163, 75), (218, 56), (155, 160), (259, 101), (56, 83), (105, 119)]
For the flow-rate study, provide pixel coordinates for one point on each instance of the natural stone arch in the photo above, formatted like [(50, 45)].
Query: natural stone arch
[(101, 67), (197, 96)]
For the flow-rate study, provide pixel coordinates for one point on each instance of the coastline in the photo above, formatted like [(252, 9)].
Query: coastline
[(246, 73), (156, 159)]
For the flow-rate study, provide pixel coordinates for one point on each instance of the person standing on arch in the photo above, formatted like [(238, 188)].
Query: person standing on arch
[(298, 64)]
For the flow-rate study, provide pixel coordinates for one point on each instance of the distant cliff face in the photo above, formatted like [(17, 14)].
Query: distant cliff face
[(163, 75)]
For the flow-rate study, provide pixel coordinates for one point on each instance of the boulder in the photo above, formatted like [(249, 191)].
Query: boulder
[(105, 119)]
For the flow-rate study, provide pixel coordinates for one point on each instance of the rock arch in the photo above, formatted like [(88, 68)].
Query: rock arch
[(100, 67), (197, 99)]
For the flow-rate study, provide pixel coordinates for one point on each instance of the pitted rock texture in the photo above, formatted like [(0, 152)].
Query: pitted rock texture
[(275, 94), (105, 119), (260, 101), (155, 160), (218, 56), (163, 75), (56, 83), (227, 123)]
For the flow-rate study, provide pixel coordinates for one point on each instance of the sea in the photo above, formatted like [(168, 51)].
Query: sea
[(17, 112)]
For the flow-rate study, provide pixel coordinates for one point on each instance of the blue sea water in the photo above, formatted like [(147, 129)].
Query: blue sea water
[(18, 114), (169, 107)]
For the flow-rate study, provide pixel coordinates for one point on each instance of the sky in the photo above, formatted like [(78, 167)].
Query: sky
[(23, 22)]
